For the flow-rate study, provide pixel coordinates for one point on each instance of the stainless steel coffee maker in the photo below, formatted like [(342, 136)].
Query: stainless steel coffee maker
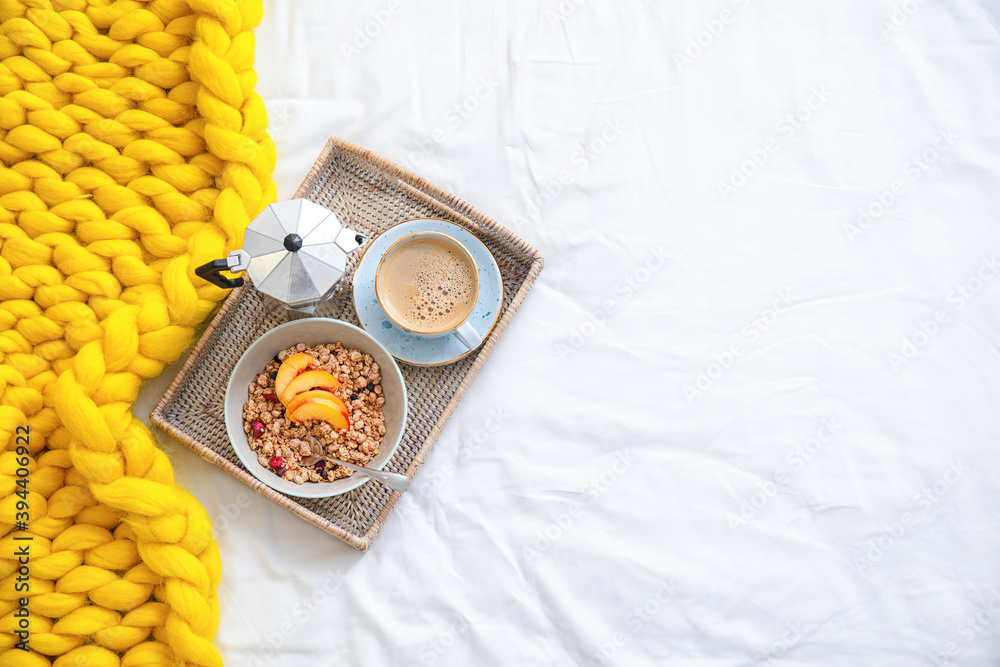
[(294, 251)]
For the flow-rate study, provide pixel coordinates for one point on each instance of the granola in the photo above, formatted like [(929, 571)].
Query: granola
[(285, 448)]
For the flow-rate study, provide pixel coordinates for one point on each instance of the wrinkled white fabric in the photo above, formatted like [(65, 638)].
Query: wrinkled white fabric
[(748, 413)]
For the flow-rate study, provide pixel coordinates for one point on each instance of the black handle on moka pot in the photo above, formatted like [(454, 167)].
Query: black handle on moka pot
[(212, 272)]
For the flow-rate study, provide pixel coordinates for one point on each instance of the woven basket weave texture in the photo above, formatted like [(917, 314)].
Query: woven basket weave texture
[(369, 194)]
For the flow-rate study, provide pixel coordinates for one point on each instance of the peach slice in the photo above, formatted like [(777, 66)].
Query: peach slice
[(322, 410), (306, 381), (289, 368), (315, 393)]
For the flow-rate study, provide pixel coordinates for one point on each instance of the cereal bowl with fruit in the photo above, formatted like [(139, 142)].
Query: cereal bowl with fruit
[(309, 389)]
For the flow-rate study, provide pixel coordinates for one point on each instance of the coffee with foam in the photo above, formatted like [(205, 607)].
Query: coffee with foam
[(427, 284)]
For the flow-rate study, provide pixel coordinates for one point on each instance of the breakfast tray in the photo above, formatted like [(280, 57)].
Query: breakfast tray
[(370, 194)]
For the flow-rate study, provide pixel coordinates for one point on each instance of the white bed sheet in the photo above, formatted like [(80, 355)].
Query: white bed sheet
[(747, 415)]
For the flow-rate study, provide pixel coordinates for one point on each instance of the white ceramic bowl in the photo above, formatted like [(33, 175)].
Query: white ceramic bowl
[(314, 331)]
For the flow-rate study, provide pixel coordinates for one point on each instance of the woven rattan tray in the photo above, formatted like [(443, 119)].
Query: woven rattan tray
[(370, 194)]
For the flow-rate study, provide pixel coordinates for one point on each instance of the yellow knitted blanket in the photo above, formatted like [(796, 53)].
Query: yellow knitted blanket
[(133, 150)]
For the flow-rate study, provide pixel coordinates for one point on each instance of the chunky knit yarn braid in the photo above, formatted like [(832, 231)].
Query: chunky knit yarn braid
[(133, 149)]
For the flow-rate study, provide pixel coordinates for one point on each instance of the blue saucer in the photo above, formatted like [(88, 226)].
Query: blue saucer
[(403, 345)]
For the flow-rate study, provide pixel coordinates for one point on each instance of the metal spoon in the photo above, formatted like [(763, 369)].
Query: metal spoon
[(392, 480)]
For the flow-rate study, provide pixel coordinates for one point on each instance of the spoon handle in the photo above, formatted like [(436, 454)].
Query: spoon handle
[(394, 481)]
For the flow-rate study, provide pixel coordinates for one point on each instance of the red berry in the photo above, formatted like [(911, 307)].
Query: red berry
[(271, 397), (276, 462), (258, 428)]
